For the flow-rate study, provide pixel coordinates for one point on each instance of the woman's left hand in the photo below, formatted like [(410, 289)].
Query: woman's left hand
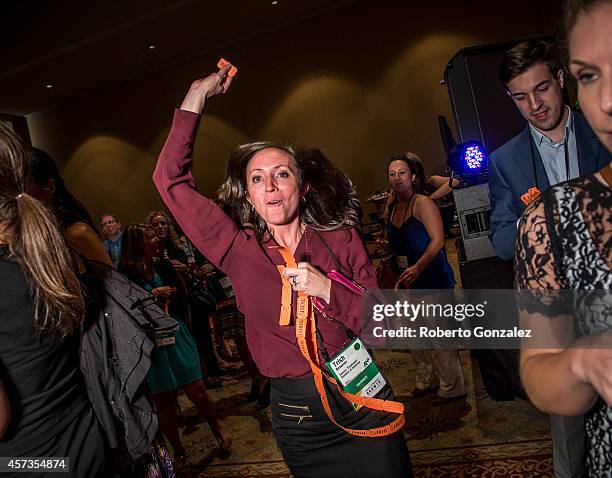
[(163, 291), (408, 276), (305, 278)]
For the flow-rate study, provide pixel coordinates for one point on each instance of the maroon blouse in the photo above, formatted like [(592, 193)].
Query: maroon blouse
[(251, 265)]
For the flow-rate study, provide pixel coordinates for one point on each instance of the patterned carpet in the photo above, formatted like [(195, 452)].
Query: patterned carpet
[(472, 438)]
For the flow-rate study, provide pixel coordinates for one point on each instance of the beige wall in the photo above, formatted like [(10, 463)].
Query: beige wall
[(361, 82)]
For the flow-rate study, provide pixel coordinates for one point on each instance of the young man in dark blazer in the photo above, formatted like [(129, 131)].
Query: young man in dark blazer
[(556, 145)]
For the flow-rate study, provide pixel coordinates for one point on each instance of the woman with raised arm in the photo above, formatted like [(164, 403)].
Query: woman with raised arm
[(277, 205), (44, 411), (565, 242)]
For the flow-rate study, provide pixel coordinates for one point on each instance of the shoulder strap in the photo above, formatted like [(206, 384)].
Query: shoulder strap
[(391, 212), (412, 203), (331, 253)]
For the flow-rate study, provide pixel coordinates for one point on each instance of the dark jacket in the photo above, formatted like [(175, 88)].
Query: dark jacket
[(116, 343), (511, 175)]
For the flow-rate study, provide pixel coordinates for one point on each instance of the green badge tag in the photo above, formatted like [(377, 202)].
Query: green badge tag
[(163, 338), (355, 370)]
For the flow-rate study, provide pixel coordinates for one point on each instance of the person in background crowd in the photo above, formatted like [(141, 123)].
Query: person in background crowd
[(434, 186), (192, 266), (174, 361), (74, 220), (229, 321), (416, 238), (414, 228), (111, 227), (41, 308), (565, 242), (556, 145), (169, 241)]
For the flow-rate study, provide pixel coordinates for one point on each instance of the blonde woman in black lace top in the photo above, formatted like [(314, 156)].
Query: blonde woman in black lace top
[(565, 242)]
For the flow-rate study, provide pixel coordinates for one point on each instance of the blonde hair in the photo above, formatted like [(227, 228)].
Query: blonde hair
[(36, 243)]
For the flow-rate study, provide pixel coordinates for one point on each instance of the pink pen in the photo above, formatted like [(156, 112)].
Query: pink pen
[(346, 282)]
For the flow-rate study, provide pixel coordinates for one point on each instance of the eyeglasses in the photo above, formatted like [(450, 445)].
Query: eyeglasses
[(159, 223), (108, 223)]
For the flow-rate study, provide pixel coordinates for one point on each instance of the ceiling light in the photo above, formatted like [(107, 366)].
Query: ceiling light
[(275, 2), (151, 47), (49, 85)]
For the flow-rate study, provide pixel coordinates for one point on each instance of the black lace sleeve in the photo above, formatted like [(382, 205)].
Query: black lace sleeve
[(535, 260), (537, 271)]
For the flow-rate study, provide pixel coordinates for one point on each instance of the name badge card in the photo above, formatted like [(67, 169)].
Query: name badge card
[(164, 338), (355, 370)]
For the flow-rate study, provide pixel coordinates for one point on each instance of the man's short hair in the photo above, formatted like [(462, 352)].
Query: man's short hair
[(523, 56), (102, 216)]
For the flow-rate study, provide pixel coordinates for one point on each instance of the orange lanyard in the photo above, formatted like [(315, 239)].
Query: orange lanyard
[(308, 346)]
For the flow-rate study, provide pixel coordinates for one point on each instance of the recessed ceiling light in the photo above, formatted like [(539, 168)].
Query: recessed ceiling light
[(151, 47), (49, 85)]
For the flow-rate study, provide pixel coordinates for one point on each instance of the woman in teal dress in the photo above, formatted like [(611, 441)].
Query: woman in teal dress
[(174, 361)]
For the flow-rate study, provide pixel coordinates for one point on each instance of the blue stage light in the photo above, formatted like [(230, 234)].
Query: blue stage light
[(473, 156), (468, 159)]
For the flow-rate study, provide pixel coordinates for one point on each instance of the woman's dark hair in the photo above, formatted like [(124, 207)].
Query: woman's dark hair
[(66, 207), (571, 12), (36, 243), (523, 56), (330, 202), (420, 185), (133, 262), (416, 167)]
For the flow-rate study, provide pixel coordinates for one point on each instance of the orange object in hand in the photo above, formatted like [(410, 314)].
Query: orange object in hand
[(233, 70)]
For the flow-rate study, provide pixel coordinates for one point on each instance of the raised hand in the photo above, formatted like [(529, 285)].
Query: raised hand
[(203, 88)]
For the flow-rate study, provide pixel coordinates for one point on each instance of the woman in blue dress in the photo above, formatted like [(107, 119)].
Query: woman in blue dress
[(415, 235), (174, 361)]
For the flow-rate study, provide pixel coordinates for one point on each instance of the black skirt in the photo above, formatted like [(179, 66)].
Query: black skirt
[(313, 446)]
